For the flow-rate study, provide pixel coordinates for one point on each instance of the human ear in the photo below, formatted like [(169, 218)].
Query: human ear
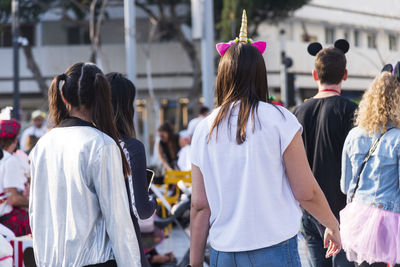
[(345, 75), (315, 75)]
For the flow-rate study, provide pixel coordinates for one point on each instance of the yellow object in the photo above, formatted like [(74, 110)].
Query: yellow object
[(171, 179), (243, 28)]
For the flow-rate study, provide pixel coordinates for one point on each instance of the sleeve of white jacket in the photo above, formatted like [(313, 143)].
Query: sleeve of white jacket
[(109, 183)]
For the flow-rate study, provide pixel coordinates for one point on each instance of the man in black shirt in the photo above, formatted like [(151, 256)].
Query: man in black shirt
[(326, 118)]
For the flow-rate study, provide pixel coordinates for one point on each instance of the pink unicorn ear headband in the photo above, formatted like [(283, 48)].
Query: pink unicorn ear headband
[(260, 45)]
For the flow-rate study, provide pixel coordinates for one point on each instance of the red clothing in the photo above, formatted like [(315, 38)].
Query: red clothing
[(17, 221)]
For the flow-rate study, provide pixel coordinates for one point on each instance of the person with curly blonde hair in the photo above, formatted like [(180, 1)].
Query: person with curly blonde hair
[(370, 222), (380, 105)]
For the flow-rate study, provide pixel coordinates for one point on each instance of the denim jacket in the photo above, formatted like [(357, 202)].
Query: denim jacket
[(379, 181)]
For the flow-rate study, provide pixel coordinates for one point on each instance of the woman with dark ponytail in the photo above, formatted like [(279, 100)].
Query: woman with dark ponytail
[(123, 95), (79, 209)]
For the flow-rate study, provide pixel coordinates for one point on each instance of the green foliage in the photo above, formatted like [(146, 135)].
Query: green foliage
[(29, 10), (257, 11)]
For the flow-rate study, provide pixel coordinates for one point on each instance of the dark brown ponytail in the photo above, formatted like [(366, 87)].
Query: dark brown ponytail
[(103, 116), (58, 110), (85, 85)]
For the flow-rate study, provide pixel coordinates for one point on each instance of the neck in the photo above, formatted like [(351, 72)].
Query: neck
[(327, 90), (81, 113), (10, 149)]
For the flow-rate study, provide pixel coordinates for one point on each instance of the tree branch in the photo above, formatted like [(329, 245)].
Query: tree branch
[(191, 52), (66, 17), (95, 27), (146, 9), (100, 17), (161, 8), (34, 68), (79, 6), (91, 21)]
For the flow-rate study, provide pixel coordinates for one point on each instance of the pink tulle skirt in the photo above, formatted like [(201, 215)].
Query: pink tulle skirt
[(370, 234)]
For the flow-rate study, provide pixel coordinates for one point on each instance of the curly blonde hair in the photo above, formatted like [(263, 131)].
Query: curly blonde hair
[(380, 105)]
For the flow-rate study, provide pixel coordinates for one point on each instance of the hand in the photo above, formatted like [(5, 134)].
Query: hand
[(25, 192), (332, 241), (153, 200)]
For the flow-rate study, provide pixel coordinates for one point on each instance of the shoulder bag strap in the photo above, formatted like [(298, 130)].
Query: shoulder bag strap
[(367, 157)]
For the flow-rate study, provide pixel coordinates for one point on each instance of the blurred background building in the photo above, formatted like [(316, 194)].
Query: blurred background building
[(60, 39), (371, 27)]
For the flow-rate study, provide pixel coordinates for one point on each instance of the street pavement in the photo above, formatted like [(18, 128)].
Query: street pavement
[(178, 243)]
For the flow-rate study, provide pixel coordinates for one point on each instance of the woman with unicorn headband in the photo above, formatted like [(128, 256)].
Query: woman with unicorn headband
[(250, 173)]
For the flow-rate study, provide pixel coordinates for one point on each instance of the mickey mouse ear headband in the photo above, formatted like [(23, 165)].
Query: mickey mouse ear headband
[(340, 44), (395, 72), (260, 45)]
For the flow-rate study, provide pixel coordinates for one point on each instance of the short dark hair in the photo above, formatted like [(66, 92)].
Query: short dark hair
[(166, 127), (330, 65), (203, 110), (6, 142)]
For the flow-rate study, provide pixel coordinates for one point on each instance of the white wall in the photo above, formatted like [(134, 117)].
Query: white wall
[(363, 63), (167, 59)]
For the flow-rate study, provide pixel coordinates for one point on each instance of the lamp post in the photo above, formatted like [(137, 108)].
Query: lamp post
[(207, 54), (15, 39), (130, 39), (284, 94), (130, 51)]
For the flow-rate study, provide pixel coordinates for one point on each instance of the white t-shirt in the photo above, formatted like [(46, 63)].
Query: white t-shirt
[(11, 176), (184, 163), (252, 204), (193, 124)]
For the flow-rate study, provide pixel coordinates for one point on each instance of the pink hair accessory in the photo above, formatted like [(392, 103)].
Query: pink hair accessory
[(222, 47), (260, 45)]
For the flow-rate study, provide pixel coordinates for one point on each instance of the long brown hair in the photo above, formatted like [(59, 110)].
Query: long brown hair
[(84, 84), (172, 141), (123, 96), (242, 79)]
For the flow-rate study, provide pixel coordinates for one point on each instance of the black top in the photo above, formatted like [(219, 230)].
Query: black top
[(75, 121), (137, 155), (326, 123), (144, 206)]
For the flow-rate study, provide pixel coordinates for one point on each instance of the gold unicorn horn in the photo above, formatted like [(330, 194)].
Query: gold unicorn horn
[(243, 28)]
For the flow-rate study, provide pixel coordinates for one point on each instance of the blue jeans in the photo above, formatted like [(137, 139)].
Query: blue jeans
[(313, 233), (284, 254)]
